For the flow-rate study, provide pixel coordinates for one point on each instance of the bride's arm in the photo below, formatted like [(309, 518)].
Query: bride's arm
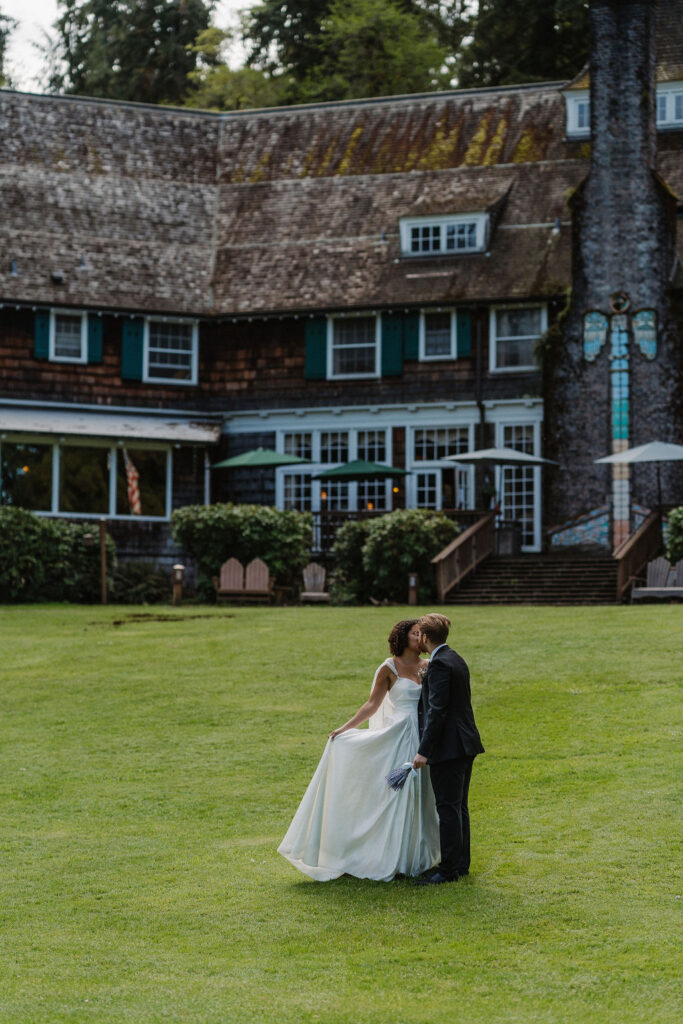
[(379, 692)]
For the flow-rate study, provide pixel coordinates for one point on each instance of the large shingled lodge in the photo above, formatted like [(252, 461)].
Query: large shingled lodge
[(382, 279)]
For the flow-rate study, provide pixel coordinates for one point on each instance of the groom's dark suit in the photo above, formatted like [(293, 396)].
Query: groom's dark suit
[(449, 739)]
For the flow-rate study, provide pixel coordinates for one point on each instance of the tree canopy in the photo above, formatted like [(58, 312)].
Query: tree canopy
[(7, 25)]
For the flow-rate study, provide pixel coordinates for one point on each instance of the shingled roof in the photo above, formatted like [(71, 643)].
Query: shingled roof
[(157, 209)]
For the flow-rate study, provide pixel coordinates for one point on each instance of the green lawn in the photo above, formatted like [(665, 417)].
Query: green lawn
[(148, 770)]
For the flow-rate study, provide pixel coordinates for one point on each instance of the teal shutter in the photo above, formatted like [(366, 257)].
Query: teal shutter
[(392, 344), (94, 338), (411, 335), (41, 334), (316, 348), (131, 348), (464, 333)]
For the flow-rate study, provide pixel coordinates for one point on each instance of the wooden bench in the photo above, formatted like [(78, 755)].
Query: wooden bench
[(664, 581), (236, 583), (314, 584)]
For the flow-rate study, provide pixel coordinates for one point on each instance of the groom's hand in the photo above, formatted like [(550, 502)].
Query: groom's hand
[(419, 761)]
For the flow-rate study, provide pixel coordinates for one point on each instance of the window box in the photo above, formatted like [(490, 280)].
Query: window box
[(443, 236), (68, 337), (170, 351), (353, 347), (514, 332)]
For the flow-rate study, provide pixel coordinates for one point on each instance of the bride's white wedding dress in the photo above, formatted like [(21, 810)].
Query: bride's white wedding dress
[(350, 821)]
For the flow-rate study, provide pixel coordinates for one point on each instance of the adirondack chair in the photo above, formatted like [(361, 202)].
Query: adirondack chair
[(663, 581), (314, 584), (237, 584), (258, 585)]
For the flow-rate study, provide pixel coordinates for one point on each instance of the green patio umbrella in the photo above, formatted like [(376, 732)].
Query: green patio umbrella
[(360, 470), (259, 458)]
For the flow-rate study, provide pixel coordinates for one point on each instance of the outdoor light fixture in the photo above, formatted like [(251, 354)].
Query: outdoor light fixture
[(370, 506), (57, 277), (413, 580), (323, 495), (395, 490), (178, 574)]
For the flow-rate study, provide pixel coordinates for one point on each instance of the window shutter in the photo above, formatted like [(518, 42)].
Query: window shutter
[(392, 344), (131, 348), (316, 348), (94, 338), (464, 333), (41, 334), (411, 335)]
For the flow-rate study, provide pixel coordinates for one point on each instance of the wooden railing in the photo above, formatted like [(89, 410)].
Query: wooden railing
[(633, 555), (464, 553)]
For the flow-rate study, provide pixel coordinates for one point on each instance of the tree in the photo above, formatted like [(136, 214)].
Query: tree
[(216, 86), (7, 25), (515, 41), (129, 49)]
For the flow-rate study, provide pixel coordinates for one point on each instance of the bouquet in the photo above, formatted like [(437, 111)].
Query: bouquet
[(396, 778)]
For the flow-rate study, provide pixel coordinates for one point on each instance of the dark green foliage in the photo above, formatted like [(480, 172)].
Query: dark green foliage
[(216, 86), (49, 559), (674, 535), (211, 534), (374, 556), (7, 25), (515, 41), (141, 583), (128, 49), (348, 582)]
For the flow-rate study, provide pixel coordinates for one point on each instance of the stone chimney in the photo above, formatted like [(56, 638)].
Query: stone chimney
[(612, 375)]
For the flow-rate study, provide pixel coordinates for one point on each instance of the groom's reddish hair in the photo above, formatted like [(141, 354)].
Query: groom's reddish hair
[(435, 627)]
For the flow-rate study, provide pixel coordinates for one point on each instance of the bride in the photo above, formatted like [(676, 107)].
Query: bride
[(350, 821)]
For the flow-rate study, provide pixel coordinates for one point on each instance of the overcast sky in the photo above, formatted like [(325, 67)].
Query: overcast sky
[(24, 62)]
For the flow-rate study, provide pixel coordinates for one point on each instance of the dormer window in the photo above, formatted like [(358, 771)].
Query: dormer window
[(578, 113), (669, 109), (670, 105), (439, 236)]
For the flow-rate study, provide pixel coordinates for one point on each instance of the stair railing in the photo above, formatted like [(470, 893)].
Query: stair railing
[(636, 551), (464, 554)]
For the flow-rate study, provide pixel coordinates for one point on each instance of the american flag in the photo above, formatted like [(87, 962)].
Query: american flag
[(132, 477)]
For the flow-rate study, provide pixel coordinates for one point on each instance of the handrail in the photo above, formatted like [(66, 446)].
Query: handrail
[(464, 554), (636, 551)]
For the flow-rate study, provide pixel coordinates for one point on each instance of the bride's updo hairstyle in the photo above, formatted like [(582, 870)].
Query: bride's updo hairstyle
[(435, 627), (398, 638)]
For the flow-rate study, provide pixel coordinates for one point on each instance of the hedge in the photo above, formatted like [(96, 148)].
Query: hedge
[(674, 535)]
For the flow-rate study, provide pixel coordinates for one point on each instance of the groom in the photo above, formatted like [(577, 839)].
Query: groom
[(449, 742)]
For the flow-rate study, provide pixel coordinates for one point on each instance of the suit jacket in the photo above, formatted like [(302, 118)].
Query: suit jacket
[(445, 716)]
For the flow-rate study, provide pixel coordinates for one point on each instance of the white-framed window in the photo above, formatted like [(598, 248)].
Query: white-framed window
[(438, 335), (372, 445), (427, 489), (353, 346), (514, 333), (171, 351), (298, 443), (297, 491), (334, 496), (578, 113), (449, 235), (334, 446), (434, 443), (68, 336), (670, 105), (372, 495)]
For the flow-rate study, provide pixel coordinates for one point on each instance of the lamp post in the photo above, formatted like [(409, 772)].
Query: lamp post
[(178, 574), (413, 581)]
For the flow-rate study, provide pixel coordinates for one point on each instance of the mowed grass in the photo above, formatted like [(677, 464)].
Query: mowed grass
[(148, 770)]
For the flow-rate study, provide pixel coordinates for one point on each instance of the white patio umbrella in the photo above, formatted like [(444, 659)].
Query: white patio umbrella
[(500, 457), (653, 451)]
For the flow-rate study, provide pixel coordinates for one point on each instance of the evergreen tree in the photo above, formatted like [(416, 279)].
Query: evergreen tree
[(128, 49), (516, 41), (7, 25)]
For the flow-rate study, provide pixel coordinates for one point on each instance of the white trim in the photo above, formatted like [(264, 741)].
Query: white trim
[(669, 91), (574, 100), (406, 224), (453, 354), (331, 375), (493, 340), (194, 355), (54, 313)]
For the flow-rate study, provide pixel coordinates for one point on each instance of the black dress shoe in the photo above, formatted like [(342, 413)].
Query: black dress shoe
[(436, 879)]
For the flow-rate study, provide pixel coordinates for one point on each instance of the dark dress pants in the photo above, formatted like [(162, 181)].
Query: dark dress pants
[(451, 783)]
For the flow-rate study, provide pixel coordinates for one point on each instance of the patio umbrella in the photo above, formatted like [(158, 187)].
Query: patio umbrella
[(360, 470), (653, 451), (500, 457), (261, 458)]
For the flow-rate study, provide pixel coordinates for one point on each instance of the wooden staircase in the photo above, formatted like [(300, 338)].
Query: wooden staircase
[(554, 579)]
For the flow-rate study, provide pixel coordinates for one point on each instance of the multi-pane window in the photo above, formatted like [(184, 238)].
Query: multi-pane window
[(670, 105), (354, 346), (437, 442), (68, 337), (297, 492), (171, 352), (583, 115), (438, 335), (431, 236), (334, 496), (372, 445), (520, 437), (519, 482), (661, 107), (26, 476), (578, 113), (334, 446), (515, 334), (141, 482), (426, 490), (299, 444), (372, 495), (84, 479)]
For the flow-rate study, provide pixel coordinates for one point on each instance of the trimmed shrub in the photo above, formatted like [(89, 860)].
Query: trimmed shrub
[(210, 534), (348, 583), (402, 542), (49, 559), (674, 535), (141, 583)]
